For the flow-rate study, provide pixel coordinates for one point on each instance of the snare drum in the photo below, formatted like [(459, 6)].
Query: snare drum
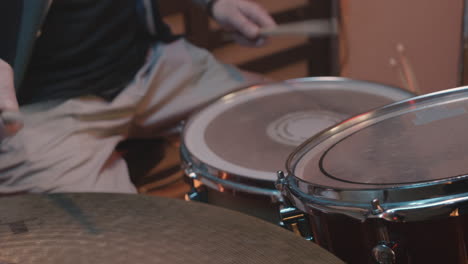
[(388, 186), (233, 147)]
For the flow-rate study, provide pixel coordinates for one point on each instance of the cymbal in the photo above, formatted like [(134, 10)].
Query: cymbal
[(122, 228)]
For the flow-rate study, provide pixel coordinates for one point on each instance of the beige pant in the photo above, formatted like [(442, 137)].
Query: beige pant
[(68, 146)]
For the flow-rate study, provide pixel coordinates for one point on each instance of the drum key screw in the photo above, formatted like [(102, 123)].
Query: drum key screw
[(189, 172), (194, 194), (376, 208), (281, 181), (192, 175)]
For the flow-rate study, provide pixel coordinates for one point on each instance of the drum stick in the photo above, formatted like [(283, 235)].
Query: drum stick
[(311, 28)]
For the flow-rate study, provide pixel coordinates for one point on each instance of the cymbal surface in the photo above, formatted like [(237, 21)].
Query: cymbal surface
[(121, 228)]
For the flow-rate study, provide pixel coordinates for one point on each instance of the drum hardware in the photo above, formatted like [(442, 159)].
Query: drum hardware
[(197, 191), (437, 208), (296, 221), (175, 130), (292, 218), (280, 181), (383, 252), (225, 185), (382, 232), (189, 171), (376, 208), (196, 195)]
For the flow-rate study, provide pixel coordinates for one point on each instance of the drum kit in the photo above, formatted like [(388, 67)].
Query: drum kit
[(343, 170), (386, 185)]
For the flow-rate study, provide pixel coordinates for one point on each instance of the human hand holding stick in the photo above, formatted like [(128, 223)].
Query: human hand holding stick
[(10, 117)]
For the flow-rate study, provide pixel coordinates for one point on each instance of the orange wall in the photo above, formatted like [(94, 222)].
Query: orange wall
[(428, 30)]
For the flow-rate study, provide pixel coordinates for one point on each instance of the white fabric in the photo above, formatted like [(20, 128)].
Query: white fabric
[(69, 146)]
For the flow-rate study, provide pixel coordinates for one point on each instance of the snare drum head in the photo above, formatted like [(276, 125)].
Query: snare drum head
[(251, 132), (409, 144)]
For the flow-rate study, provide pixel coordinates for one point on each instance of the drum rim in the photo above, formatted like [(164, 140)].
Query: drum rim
[(220, 177), (360, 207), (224, 181)]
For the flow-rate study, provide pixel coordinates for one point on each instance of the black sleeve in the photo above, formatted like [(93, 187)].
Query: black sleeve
[(10, 17)]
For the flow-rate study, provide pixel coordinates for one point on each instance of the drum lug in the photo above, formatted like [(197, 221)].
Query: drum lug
[(383, 253), (291, 218), (376, 208), (189, 172), (295, 221), (197, 192), (280, 181), (279, 185)]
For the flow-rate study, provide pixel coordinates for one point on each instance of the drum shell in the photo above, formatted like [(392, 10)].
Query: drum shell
[(260, 206), (430, 241), (213, 188)]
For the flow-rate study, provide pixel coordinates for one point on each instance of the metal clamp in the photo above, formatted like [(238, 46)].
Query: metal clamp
[(291, 218), (196, 193), (295, 221)]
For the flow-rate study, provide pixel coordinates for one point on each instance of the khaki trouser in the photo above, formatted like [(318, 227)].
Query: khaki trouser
[(68, 146)]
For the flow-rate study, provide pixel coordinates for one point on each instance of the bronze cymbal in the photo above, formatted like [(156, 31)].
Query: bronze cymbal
[(122, 228)]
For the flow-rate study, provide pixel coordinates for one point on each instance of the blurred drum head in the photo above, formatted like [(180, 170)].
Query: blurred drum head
[(251, 132), (411, 156), (418, 141)]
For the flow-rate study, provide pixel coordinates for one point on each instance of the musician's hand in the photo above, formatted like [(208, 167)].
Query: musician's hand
[(244, 18), (10, 122)]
